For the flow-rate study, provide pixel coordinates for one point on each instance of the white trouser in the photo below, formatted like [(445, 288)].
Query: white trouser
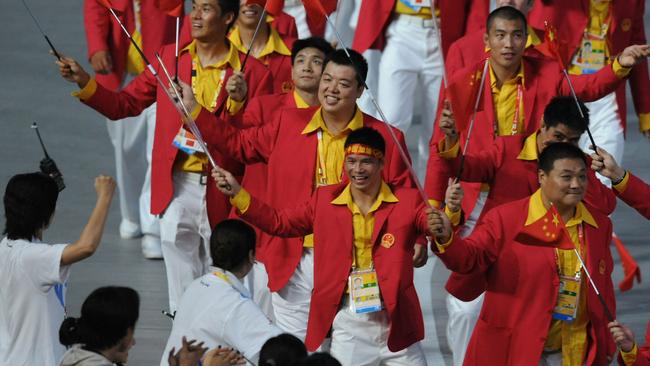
[(132, 140), (460, 325), (291, 303), (257, 282), (551, 359), (185, 235), (297, 11), (605, 126), (412, 56), (361, 340), (463, 315)]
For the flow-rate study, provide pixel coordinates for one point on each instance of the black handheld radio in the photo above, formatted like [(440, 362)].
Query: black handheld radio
[(47, 165)]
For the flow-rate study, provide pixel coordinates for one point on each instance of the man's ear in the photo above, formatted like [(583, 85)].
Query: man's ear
[(541, 176), (251, 256)]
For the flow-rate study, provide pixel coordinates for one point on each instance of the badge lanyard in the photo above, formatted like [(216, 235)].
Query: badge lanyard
[(515, 120), (222, 75), (322, 168), (570, 287)]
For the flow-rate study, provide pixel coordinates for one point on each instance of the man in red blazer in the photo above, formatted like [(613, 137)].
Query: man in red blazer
[(115, 62), (269, 46), (631, 189), (188, 207), (309, 19), (520, 322), (631, 353), (594, 33), (411, 56), (307, 57), (303, 149), (365, 230)]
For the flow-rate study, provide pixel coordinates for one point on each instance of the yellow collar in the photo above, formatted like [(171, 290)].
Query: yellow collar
[(385, 195), (532, 39), (536, 210), (317, 122), (529, 151), (300, 103), (519, 77), (232, 58), (274, 44)]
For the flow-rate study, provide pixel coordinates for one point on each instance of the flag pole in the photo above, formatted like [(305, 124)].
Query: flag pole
[(178, 26), (47, 39), (257, 30), (608, 313)]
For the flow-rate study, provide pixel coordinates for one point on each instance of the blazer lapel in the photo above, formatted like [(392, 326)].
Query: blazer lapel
[(381, 215), (530, 93)]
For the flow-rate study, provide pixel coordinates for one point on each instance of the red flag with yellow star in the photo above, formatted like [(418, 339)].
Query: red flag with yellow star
[(462, 93), (173, 8), (548, 231), (551, 46)]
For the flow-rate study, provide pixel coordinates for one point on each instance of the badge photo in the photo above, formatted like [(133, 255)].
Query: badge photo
[(387, 240), (626, 24)]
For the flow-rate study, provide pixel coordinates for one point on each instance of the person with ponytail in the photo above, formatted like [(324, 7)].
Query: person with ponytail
[(103, 334)]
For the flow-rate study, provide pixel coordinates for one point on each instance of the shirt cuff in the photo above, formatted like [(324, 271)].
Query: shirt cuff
[(450, 153), (629, 358), (644, 121), (434, 203), (454, 216), (622, 185), (620, 71), (241, 201), (233, 106), (87, 91), (442, 247), (196, 111)]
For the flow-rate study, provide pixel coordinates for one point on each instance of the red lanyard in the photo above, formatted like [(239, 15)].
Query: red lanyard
[(515, 120)]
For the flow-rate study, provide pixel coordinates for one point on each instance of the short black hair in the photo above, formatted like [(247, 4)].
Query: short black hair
[(319, 359), (313, 42), (230, 243), (557, 151), (30, 200), (358, 63), (507, 13), (106, 316), (284, 349), (229, 6), (563, 110), (367, 136)]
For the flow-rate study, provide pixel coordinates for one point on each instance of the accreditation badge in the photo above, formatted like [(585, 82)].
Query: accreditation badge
[(416, 5), (364, 291), (591, 56), (185, 141), (568, 297)]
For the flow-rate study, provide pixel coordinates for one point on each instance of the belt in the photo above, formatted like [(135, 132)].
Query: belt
[(414, 19), (192, 177)]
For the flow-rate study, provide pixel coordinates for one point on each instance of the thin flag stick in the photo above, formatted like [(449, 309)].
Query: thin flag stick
[(38, 25), (608, 312), (178, 29), (257, 30)]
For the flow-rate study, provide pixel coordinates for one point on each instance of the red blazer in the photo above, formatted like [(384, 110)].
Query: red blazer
[(291, 160), (627, 28), (334, 235), (643, 353), (543, 81), (104, 34), (522, 287), (144, 91), (280, 68), (637, 195), (458, 17), (510, 179)]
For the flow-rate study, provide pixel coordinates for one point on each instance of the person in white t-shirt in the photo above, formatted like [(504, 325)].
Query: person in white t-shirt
[(33, 274), (216, 308)]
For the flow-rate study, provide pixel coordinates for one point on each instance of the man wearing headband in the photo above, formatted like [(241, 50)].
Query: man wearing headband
[(365, 230)]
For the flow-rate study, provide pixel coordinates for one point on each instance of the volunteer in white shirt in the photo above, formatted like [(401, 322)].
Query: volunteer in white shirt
[(216, 308), (33, 274)]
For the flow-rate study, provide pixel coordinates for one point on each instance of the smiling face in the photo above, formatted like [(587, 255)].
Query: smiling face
[(307, 69), (249, 14), (564, 185), (208, 22), (507, 41), (338, 89), (364, 172)]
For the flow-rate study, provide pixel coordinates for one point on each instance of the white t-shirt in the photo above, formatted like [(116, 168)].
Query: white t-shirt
[(32, 304), (220, 311)]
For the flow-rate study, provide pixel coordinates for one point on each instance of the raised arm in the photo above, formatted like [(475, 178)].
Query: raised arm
[(92, 233)]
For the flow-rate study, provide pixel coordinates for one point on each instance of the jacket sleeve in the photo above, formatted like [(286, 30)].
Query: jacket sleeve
[(288, 223), (593, 86), (97, 24), (598, 195), (637, 195), (480, 166), (131, 101), (639, 78), (397, 172)]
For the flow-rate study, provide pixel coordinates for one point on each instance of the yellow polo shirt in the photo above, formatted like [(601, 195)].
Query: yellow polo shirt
[(330, 152), (275, 44), (504, 99), (570, 337), (134, 62), (363, 226), (300, 103)]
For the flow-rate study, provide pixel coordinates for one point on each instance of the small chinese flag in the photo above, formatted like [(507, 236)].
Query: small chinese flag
[(173, 8), (273, 7), (316, 10), (462, 94), (548, 231), (551, 45), (630, 266)]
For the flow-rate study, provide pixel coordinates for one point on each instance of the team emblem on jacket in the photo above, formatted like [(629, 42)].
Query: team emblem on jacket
[(387, 240), (287, 86), (626, 24), (602, 266)]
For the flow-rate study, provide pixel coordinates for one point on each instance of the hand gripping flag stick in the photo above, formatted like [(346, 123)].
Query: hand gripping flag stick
[(41, 30), (401, 150), (471, 122)]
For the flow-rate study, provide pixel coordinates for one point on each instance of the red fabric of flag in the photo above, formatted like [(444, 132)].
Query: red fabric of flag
[(173, 8), (462, 94), (551, 47), (630, 266), (547, 231), (105, 3), (316, 11)]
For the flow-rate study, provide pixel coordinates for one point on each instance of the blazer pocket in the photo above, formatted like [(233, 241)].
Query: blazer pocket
[(490, 343)]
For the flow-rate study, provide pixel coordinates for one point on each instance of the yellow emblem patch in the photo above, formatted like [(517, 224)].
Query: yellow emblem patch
[(387, 240)]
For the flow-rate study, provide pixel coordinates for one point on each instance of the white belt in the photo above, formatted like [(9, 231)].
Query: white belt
[(190, 177), (416, 20)]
